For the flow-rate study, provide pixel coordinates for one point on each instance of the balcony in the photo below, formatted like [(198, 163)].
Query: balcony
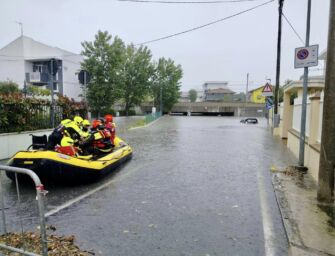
[(37, 78)]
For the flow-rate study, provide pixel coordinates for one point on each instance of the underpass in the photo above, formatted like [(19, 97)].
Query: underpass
[(215, 109)]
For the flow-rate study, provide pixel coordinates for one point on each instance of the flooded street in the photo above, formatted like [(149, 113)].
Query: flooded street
[(195, 186)]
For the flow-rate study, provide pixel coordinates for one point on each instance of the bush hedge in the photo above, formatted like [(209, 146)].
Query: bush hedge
[(18, 113)]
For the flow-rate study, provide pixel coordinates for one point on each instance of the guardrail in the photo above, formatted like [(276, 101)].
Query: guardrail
[(40, 192), (152, 117)]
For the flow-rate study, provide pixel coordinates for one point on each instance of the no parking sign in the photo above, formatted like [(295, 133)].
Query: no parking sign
[(306, 56)]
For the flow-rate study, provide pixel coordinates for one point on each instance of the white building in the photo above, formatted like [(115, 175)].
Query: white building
[(217, 91), (200, 96), (211, 85), (26, 60)]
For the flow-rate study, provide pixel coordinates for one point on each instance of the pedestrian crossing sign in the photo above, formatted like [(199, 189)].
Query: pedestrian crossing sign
[(267, 90)]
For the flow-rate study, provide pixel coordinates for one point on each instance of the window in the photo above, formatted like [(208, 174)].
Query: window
[(38, 68)]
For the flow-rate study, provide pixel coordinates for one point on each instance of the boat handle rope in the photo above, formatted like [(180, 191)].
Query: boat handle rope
[(117, 158)]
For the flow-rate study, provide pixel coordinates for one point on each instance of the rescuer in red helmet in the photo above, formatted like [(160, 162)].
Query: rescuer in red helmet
[(99, 141), (110, 126)]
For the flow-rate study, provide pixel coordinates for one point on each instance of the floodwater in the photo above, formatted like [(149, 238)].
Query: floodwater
[(195, 186)]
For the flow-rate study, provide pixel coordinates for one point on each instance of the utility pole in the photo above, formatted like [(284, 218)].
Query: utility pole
[(304, 96), (327, 152), (280, 11), (247, 89)]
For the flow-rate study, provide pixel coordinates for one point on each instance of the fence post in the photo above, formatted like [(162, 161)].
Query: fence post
[(40, 198), (2, 207)]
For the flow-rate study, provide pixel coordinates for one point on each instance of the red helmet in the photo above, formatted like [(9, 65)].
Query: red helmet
[(96, 123), (108, 118)]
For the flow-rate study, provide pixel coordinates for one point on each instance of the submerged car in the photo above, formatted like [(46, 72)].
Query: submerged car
[(249, 121)]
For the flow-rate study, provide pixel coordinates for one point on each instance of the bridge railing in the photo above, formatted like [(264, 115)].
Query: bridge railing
[(40, 192)]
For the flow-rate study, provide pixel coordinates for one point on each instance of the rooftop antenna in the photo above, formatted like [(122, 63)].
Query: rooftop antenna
[(21, 25)]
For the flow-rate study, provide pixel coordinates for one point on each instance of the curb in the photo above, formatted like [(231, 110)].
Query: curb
[(295, 242)]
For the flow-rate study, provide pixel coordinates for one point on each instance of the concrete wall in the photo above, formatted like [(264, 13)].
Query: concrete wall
[(313, 162), (312, 153), (320, 117), (291, 127), (12, 70), (13, 142), (12, 62), (71, 86)]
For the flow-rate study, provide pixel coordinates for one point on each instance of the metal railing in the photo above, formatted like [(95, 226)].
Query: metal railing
[(40, 199), (152, 117)]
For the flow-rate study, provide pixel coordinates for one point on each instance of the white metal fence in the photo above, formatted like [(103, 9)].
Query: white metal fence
[(40, 192)]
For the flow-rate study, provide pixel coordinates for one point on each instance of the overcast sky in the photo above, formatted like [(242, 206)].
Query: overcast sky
[(225, 51)]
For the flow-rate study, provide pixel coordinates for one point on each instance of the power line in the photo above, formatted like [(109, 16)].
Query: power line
[(205, 25), (294, 30), (187, 2)]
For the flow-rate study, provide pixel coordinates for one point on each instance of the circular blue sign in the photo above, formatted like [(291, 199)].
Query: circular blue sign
[(302, 54)]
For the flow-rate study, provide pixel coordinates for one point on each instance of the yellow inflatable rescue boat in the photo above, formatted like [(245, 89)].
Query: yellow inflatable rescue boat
[(55, 167)]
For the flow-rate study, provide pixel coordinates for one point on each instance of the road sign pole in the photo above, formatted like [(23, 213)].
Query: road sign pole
[(304, 97)]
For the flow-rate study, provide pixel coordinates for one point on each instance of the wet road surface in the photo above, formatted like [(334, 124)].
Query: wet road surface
[(195, 186)]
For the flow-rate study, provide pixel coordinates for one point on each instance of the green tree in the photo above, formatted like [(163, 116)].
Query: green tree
[(8, 87), (167, 81), (137, 76), (104, 61), (192, 94)]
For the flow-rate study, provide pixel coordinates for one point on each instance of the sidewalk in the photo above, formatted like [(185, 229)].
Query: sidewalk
[(310, 227)]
